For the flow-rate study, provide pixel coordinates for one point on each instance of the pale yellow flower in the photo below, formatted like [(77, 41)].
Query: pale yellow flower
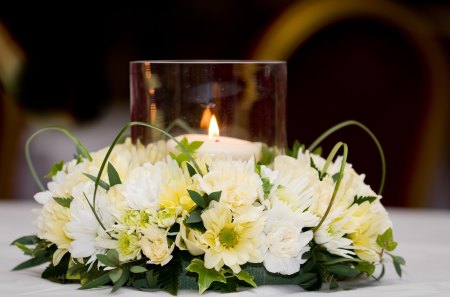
[(51, 225), (238, 182), (232, 239), (189, 239)]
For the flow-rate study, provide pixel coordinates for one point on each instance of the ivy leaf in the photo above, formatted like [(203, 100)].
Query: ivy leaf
[(55, 168), (205, 276), (113, 176), (386, 240), (366, 267), (197, 198), (101, 183), (64, 202), (361, 199), (246, 277)]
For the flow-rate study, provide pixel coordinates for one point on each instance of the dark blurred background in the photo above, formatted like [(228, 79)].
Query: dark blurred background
[(384, 63)]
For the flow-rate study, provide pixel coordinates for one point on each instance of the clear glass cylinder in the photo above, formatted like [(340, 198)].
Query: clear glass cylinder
[(246, 98)]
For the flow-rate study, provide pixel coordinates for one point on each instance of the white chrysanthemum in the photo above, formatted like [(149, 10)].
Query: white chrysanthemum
[(232, 239), (294, 183), (173, 194), (372, 220), (155, 246), (141, 187), (124, 158), (89, 237), (51, 225), (240, 185), (284, 242), (331, 234)]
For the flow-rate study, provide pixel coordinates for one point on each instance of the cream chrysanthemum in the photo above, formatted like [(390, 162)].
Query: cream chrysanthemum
[(232, 239), (51, 225), (238, 182)]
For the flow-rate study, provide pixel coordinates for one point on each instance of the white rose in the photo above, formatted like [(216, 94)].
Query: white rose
[(155, 246)]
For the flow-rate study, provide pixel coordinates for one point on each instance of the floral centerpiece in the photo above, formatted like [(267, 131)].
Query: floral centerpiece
[(136, 215)]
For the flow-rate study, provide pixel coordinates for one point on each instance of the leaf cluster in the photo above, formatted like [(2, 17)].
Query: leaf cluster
[(189, 149), (224, 279), (202, 201)]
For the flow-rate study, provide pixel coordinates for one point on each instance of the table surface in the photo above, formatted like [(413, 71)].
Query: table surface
[(423, 237)]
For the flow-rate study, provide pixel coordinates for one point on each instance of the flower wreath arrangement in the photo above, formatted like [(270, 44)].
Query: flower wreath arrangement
[(134, 215)]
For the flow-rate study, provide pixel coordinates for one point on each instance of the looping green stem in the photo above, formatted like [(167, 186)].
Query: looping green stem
[(117, 139), (367, 130), (77, 142), (339, 179)]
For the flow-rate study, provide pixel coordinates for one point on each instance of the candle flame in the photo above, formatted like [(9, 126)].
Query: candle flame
[(206, 118), (213, 128)]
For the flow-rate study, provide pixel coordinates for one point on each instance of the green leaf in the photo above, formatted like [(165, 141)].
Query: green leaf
[(27, 240), (191, 169), (32, 262), (168, 275), (246, 277), (295, 149), (100, 281), (122, 280), (55, 168), (194, 217), (386, 240), (113, 176), (342, 270), (138, 269), (152, 279), (197, 198), (366, 267), (361, 199), (58, 273), (268, 154), (101, 183), (24, 248), (267, 186), (398, 262), (215, 196), (205, 276), (115, 274), (110, 259), (64, 202)]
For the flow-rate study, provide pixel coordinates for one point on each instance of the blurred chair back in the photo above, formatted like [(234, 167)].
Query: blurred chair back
[(396, 83)]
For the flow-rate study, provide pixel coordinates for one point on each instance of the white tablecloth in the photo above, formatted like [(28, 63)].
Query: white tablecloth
[(423, 237)]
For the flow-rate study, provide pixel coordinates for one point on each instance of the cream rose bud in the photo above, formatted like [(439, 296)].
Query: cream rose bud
[(155, 246), (166, 218), (189, 239)]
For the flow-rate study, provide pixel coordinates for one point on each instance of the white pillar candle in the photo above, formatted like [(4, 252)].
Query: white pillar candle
[(237, 149)]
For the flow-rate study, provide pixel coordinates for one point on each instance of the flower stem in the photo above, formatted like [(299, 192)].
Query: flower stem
[(338, 181), (77, 142), (367, 130)]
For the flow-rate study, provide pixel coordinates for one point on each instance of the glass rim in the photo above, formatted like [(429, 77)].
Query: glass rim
[(208, 62)]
